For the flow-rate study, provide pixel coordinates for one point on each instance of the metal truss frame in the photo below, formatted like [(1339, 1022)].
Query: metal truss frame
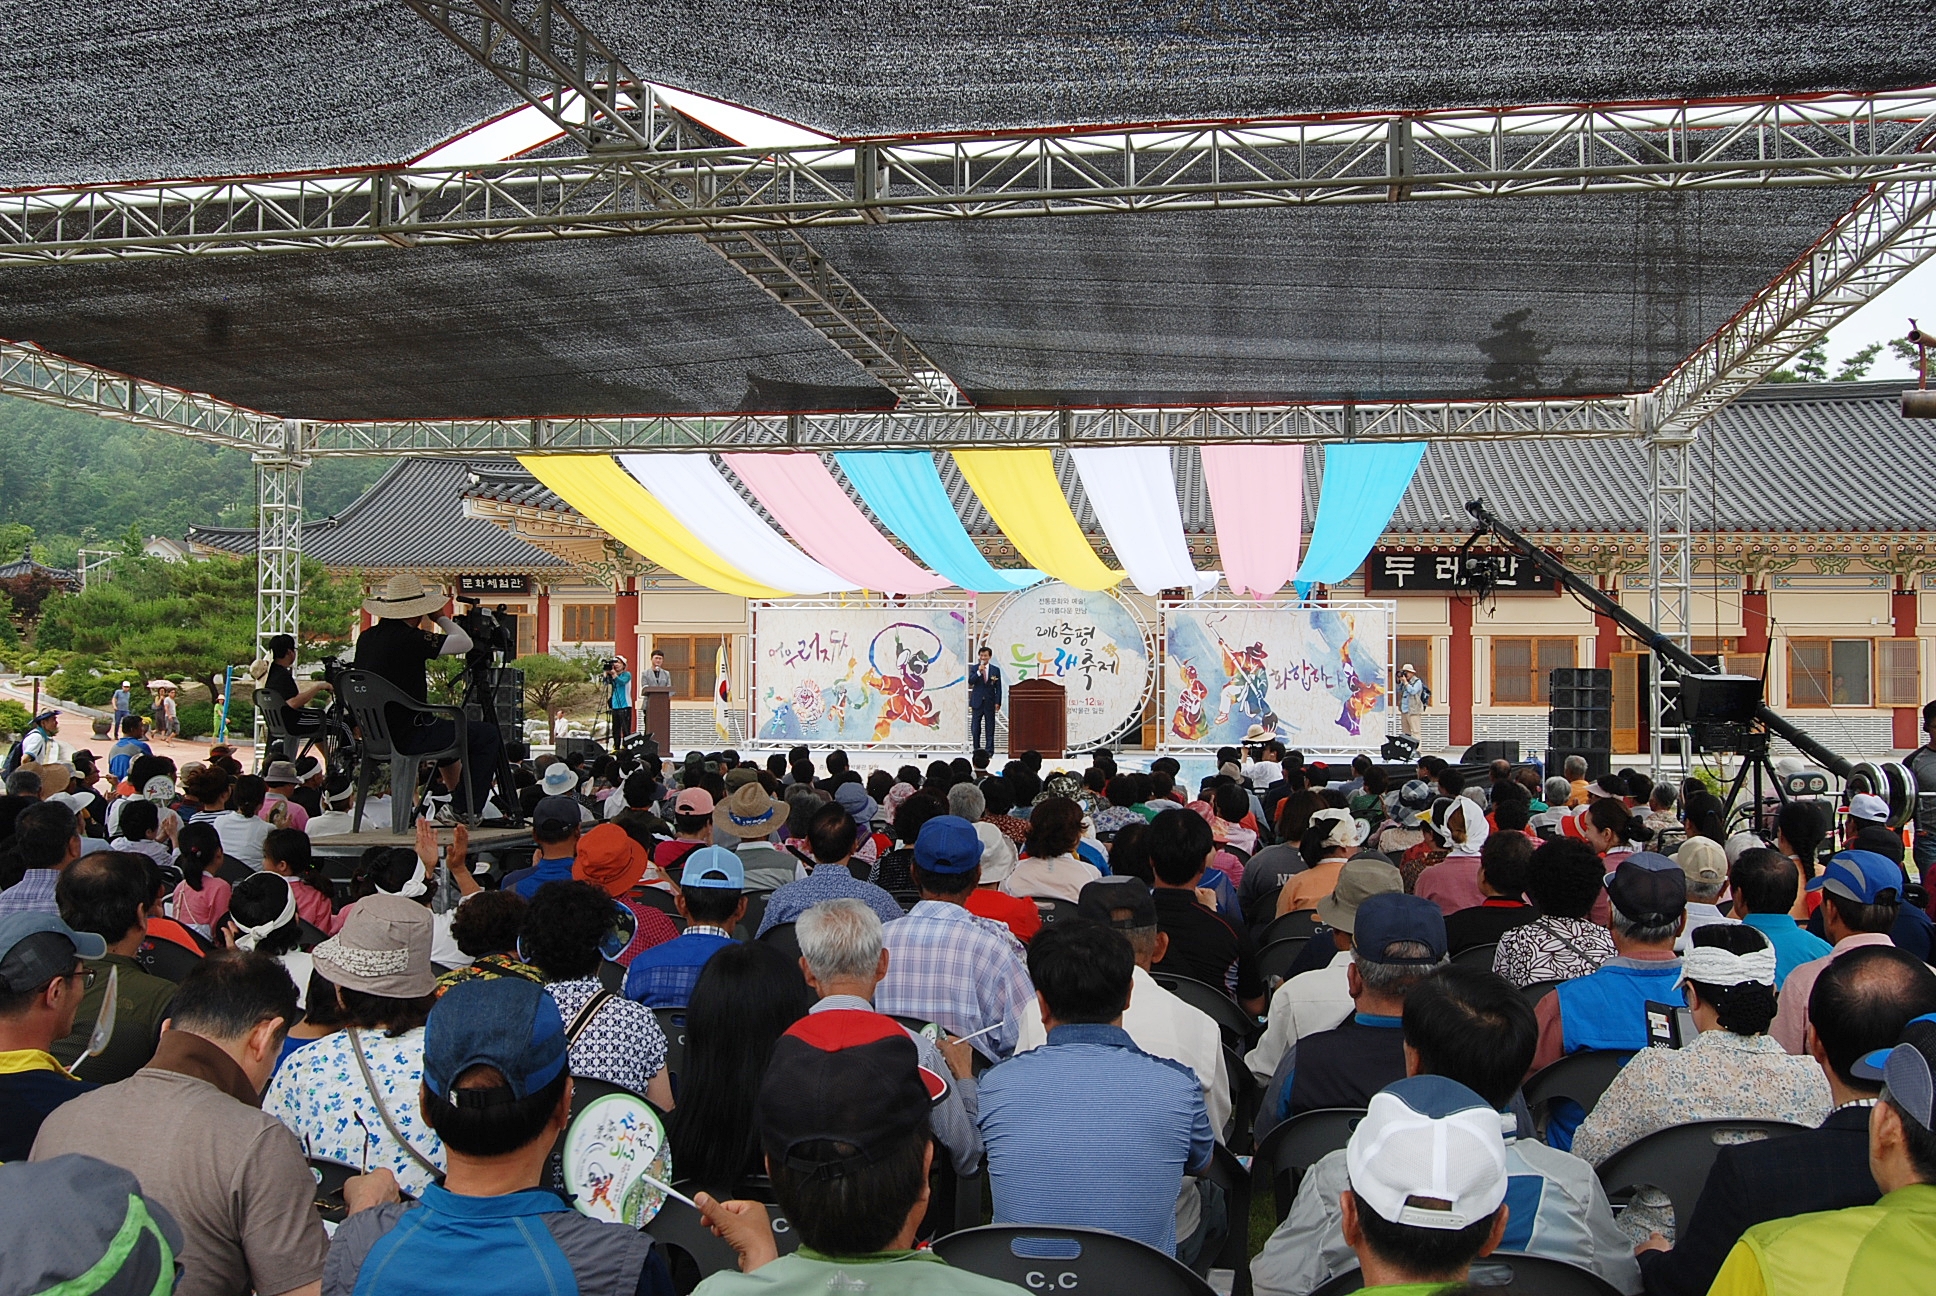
[(1670, 566), (278, 544), (1834, 140), (28, 371), (540, 50)]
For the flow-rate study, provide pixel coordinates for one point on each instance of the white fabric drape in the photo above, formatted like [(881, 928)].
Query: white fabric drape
[(692, 489), (1132, 490)]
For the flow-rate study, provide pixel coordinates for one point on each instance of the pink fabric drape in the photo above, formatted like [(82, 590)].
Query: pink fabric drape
[(1257, 496), (803, 497)]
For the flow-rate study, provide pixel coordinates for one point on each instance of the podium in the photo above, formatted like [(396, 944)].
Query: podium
[(655, 714), (1038, 718)]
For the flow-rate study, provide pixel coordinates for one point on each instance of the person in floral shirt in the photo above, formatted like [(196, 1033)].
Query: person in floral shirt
[(1564, 880), (352, 1097)]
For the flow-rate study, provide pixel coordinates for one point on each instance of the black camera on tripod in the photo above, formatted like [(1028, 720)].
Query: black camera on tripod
[(491, 631)]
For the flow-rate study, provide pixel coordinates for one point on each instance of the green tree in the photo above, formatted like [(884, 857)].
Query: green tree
[(550, 683), (1811, 365), (1857, 366)]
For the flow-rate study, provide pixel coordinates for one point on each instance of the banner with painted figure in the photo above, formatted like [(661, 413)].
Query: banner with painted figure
[(1085, 640), (861, 676), (1317, 676)]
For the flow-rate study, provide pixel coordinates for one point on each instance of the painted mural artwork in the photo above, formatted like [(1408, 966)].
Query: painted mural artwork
[(1084, 640), (1316, 676), (861, 676)]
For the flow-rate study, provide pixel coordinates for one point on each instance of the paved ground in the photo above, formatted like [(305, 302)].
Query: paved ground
[(77, 729)]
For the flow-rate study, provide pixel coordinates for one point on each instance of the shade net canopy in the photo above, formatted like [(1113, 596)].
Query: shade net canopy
[(1534, 297), (583, 327), (902, 66), (163, 89)]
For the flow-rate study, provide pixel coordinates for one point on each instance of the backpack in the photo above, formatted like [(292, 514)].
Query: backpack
[(1425, 695)]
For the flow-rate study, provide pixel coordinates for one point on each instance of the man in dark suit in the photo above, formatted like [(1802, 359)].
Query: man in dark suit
[(1861, 1002), (984, 700)]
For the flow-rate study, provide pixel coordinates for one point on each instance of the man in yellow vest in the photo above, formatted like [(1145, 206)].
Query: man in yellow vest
[(1887, 1247)]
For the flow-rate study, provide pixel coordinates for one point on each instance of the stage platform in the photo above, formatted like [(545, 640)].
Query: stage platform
[(340, 845)]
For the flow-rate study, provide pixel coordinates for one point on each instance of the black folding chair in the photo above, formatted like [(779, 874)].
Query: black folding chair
[(1532, 1275), (1677, 1160), (1228, 1173), (1294, 1146), (755, 910), (1477, 956), (673, 1022), (1275, 959), (369, 698), (1582, 1077), (1042, 1257), (1538, 990), (585, 1090), (1053, 911), (1246, 1095), (1240, 1029), (783, 937), (1300, 922), (694, 1254)]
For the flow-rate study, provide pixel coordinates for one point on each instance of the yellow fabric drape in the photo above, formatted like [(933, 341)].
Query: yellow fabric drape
[(604, 492), (1019, 490)]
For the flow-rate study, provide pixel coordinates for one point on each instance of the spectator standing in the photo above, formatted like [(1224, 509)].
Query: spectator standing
[(1504, 862), (123, 704), (1861, 893), (1055, 1155), (1320, 999), (108, 893), (496, 1092), (1473, 1028), (232, 1176), (1564, 881), (610, 1038), (1204, 945), (130, 746), (832, 835), (42, 979), (1413, 697), (1606, 1009), (1887, 1247), (1398, 941), (843, 959), (712, 901), (948, 966), (47, 838), (351, 1096), (1861, 1004), (1049, 868)]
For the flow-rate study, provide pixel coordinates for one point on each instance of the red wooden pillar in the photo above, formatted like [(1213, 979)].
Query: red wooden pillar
[(1458, 688), (543, 641), (1902, 611), (625, 628), (1754, 621)]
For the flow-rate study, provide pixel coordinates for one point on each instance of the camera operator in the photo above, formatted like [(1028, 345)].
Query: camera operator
[(280, 680), (618, 678), (410, 630)]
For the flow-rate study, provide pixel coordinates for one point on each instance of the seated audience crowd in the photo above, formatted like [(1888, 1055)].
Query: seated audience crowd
[(1444, 1009)]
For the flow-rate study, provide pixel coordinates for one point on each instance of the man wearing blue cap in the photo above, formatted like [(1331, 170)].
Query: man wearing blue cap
[(497, 1091), (1887, 1247), (712, 898), (41, 983), (949, 966), (1861, 898)]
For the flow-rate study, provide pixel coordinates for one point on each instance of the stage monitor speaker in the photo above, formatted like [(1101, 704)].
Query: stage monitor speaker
[(1484, 753), (568, 747), (1723, 698)]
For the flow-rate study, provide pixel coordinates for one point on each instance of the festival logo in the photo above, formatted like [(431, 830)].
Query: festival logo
[(1315, 676), (1085, 640)]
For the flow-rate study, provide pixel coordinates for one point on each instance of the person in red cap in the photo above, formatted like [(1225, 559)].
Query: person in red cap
[(843, 1117)]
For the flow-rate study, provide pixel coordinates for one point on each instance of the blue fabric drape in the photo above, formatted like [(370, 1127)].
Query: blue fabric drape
[(1361, 489), (904, 490)]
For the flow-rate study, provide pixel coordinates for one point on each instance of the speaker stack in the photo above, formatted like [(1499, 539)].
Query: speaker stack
[(1581, 720), (509, 707)]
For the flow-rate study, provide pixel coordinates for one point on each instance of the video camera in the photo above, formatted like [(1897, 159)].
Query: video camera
[(490, 630)]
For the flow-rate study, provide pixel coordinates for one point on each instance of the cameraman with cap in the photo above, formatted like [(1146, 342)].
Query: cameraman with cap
[(411, 630), (618, 680)]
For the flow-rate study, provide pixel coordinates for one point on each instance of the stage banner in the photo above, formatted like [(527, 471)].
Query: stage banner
[(1317, 675), (861, 675), (1088, 641)]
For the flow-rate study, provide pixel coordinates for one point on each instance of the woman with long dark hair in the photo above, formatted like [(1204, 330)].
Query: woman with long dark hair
[(746, 997)]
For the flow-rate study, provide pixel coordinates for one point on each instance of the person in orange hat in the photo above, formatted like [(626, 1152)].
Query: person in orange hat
[(609, 858)]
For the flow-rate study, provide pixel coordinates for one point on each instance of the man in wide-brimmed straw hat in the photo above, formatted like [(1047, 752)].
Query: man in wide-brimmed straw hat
[(411, 628)]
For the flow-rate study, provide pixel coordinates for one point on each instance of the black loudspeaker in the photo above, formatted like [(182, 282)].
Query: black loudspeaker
[(1719, 698), (1598, 760), (569, 747), (1483, 753)]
